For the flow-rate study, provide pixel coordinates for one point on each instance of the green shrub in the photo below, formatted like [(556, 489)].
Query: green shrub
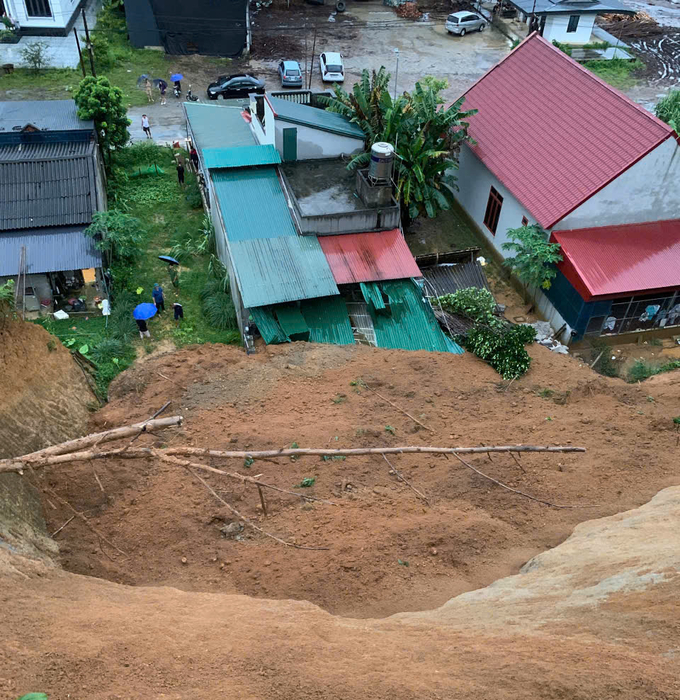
[(218, 306), (108, 349), (142, 153), (101, 47), (473, 303), (642, 370), (503, 349), (193, 195), (187, 243), (564, 48), (122, 326)]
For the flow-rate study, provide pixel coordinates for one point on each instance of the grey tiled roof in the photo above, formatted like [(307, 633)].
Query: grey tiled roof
[(44, 151), (48, 250), (37, 193), (45, 115)]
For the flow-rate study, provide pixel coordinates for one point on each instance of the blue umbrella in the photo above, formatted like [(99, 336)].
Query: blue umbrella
[(176, 76), (168, 259), (143, 312)]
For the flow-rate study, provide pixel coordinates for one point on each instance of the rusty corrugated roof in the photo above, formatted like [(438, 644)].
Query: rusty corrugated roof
[(623, 259), (369, 257)]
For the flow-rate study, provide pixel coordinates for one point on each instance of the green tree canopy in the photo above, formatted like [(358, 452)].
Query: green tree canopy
[(668, 109), (119, 235), (97, 99), (534, 258), (425, 134)]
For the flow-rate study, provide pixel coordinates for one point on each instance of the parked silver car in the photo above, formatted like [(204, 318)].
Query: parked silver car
[(463, 22)]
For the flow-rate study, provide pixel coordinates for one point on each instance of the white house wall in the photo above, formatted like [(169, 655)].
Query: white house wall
[(62, 11), (556, 29), (648, 191), (475, 181), (316, 143)]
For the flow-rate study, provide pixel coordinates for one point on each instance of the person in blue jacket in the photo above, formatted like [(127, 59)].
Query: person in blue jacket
[(158, 298)]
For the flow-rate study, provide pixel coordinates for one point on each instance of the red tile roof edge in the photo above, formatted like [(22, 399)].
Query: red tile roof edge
[(535, 36)]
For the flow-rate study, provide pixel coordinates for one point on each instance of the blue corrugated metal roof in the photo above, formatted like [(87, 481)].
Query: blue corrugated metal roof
[(276, 270), (315, 118), (218, 126), (252, 204), (240, 156), (48, 250), (45, 115)]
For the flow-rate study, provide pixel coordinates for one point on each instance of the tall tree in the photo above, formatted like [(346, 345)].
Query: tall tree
[(426, 136), (97, 99)]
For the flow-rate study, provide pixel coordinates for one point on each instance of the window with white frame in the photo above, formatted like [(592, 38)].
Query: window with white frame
[(38, 8)]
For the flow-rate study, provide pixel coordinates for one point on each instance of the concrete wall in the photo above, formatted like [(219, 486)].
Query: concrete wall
[(316, 143), (556, 29), (648, 191), (474, 181), (264, 133)]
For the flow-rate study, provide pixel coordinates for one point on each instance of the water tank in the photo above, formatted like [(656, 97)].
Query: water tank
[(382, 162)]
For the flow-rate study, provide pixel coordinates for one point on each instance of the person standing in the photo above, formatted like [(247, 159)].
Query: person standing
[(179, 312), (180, 172), (158, 298), (147, 88), (146, 127), (193, 154), (162, 88), (143, 328)]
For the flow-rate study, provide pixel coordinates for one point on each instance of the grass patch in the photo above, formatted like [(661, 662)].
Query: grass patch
[(618, 72), (642, 370)]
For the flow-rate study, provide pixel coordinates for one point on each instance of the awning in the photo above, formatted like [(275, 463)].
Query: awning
[(369, 257), (48, 250), (621, 260)]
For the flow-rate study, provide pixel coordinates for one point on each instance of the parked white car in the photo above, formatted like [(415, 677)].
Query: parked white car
[(463, 22), (332, 67)]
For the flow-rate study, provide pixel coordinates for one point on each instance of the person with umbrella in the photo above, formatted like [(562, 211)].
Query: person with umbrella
[(158, 298), (177, 81), (142, 313)]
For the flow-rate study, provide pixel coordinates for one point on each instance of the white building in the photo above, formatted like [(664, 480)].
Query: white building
[(49, 21), (566, 21), (558, 147)]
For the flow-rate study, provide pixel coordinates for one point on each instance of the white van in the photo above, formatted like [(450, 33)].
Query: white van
[(332, 68)]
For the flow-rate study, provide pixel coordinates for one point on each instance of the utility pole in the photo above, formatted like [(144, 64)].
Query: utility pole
[(311, 66), (306, 75), (89, 44), (396, 74), (80, 53)]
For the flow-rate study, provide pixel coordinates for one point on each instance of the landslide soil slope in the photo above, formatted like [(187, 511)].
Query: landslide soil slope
[(595, 618), (388, 552)]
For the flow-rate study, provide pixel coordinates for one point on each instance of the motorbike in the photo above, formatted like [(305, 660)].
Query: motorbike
[(191, 97)]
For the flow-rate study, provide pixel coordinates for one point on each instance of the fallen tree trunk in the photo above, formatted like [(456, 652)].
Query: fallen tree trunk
[(91, 440), (20, 463)]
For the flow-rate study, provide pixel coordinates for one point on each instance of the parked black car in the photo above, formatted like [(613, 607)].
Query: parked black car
[(230, 86)]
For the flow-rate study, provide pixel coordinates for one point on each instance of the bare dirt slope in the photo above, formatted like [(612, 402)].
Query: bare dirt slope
[(387, 552), (594, 618)]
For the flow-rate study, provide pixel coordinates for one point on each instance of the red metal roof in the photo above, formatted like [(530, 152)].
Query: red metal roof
[(369, 257), (621, 260), (552, 132)]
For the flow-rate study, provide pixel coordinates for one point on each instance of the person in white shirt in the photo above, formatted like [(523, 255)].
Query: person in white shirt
[(145, 126)]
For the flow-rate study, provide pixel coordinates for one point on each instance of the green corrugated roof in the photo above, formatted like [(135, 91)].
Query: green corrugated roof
[(272, 263), (372, 295), (328, 320), (292, 322), (218, 126), (277, 270), (316, 118), (410, 323), (240, 156), (252, 203), (268, 325)]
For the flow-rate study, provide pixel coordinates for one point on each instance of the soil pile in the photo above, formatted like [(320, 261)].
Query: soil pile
[(388, 551), (594, 618)]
